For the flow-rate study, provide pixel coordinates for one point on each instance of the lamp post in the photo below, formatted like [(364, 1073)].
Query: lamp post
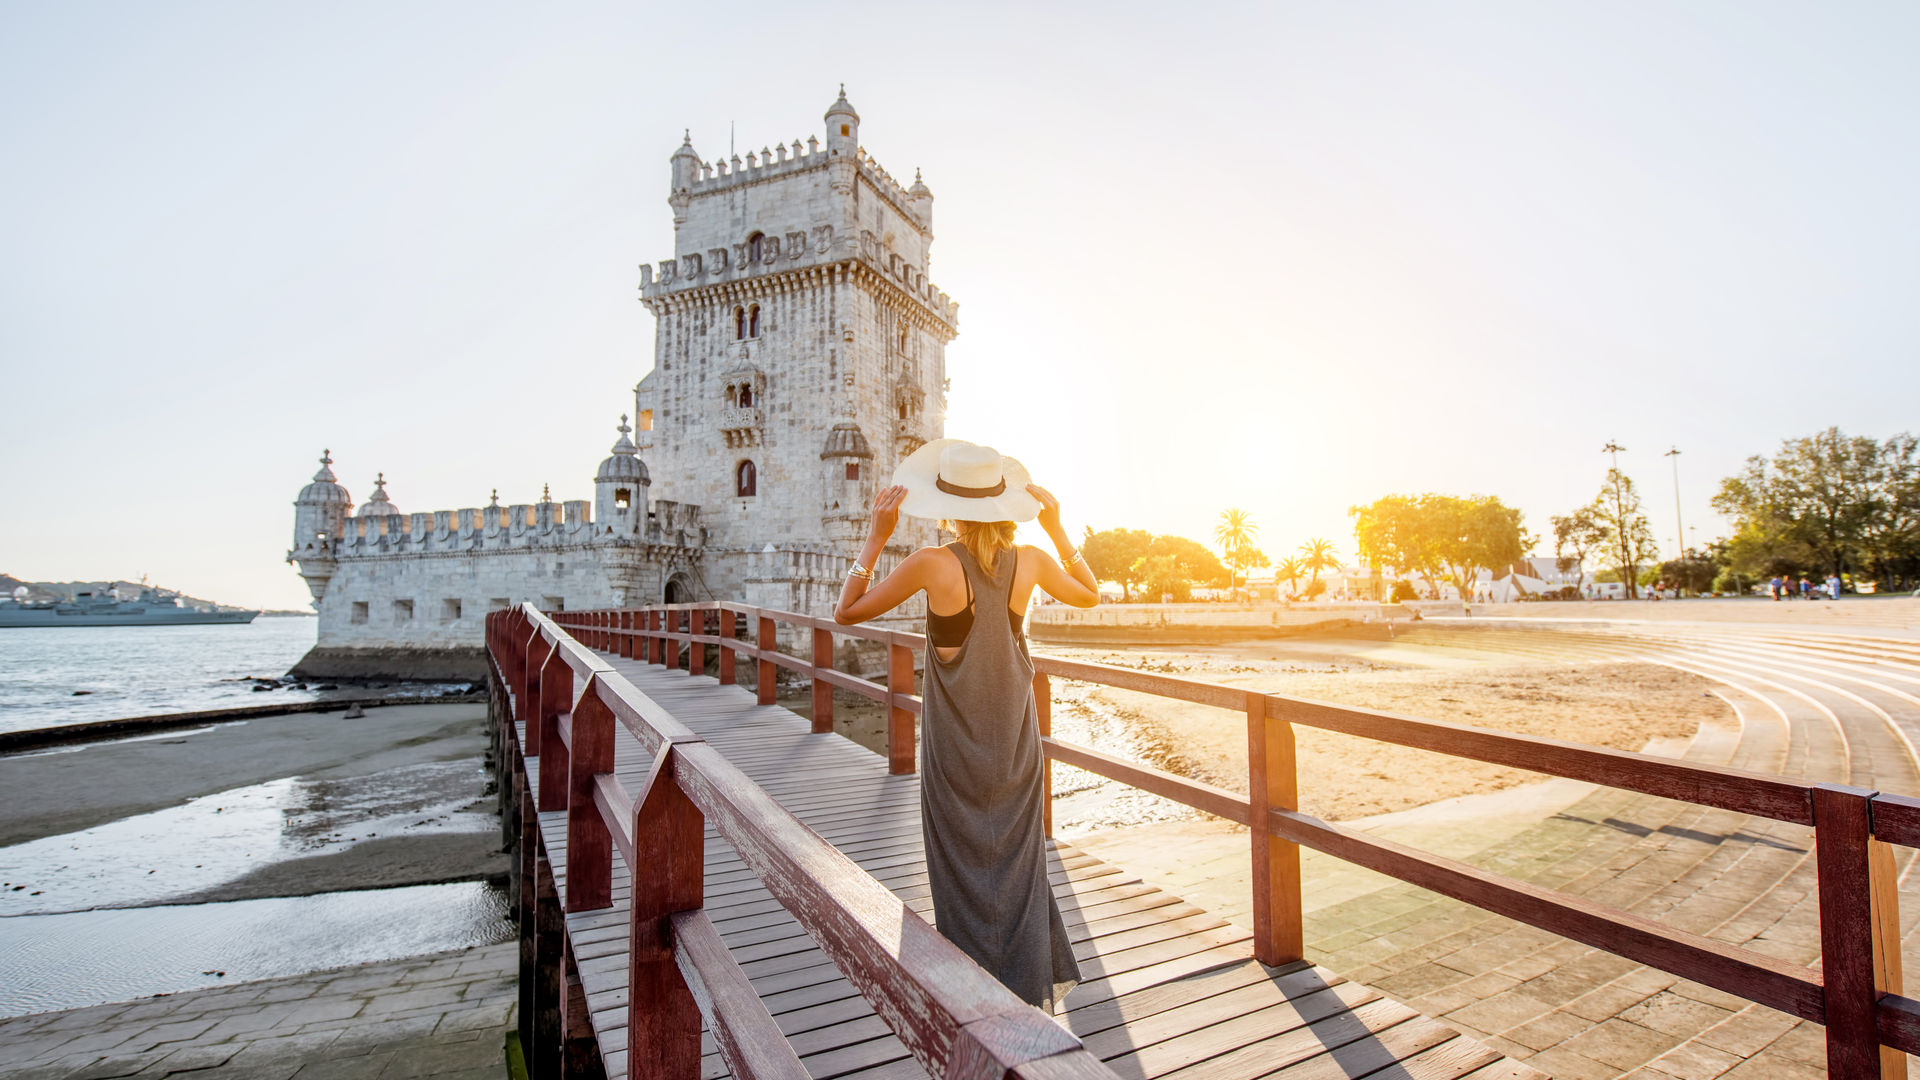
[(1679, 526), (1613, 451)]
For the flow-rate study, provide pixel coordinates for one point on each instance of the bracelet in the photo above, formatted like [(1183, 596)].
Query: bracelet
[(856, 570), (1068, 563)]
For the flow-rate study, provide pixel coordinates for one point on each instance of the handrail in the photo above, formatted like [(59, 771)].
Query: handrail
[(950, 1014), (1855, 992)]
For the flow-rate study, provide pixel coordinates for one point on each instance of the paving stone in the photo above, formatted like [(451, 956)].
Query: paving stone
[(1563, 1064), (1550, 1030), (362, 1067), (1694, 1061), (1500, 1012), (114, 1066), (1746, 1033), (177, 1031), (1621, 1044), (432, 1059), (189, 1058), (1675, 1015)]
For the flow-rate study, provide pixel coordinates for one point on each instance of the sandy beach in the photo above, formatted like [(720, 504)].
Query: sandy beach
[(1623, 705), (272, 806)]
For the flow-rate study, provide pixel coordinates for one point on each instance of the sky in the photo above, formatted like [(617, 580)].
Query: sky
[(1284, 257)]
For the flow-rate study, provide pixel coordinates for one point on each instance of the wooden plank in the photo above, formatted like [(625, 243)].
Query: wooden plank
[(748, 1041), (1852, 947)]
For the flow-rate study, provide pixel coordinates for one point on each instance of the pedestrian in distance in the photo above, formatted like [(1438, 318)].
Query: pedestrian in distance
[(1833, 586), (982, 782), (1773, 588)]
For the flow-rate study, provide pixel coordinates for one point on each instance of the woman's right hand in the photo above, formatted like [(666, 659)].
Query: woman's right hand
[(886, 510)]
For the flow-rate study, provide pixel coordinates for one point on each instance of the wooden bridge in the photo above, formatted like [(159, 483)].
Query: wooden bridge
[(776, 927)]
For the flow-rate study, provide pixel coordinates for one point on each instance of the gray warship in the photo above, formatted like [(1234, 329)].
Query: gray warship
[(153, 607)]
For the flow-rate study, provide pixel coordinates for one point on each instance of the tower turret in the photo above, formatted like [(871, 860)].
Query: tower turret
[(686, 172), (843, 145), (319, 517), (922, 196), (620, 489)]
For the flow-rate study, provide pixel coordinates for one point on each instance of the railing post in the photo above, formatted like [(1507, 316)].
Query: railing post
[(1273, 784), (653, 636), (1859, 943), (663, 1021), (822, 691), (899, 720), (556, 697), (1043, 718), (528, 705), (726, 647), (763, 690), (696, 652), (626, 635), (589, 842)]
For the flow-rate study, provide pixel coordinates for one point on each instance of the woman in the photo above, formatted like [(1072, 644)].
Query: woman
[(981, 782)]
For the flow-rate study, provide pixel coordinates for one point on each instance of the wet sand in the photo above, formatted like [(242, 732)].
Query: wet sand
[(397, 797)]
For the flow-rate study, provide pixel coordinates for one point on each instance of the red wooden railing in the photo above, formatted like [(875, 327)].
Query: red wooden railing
[(952, 1016), (1855, 992)]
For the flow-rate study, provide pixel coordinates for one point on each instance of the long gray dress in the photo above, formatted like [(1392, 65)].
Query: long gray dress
[(980, 800)]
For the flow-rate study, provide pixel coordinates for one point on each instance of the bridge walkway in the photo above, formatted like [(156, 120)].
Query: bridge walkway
[(1170, 989)]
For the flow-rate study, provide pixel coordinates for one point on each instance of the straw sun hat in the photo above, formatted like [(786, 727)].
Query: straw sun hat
[(955, 480)]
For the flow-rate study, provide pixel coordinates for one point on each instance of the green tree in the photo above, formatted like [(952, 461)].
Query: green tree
[(1627, 540), (1193, 559), (1235, 534), (1161, 576), (1317, 555), (1289, 571), (1114, 554), (1691, 573), (1829, 503), (1575, 536), (1440, 537)]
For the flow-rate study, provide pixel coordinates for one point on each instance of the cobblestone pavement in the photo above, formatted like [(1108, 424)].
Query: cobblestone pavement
[(442, 1016), (1822, 707)]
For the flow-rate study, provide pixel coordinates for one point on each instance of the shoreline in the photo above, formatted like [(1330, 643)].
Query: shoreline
[(297, 802), (104, 730)]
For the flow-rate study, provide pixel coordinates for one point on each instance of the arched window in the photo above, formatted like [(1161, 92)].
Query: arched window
[(754, 244), (746, 397), (622, 498), (743, 477), (739, 323), (753, 321)]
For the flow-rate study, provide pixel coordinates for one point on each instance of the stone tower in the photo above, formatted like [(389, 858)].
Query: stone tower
[(800, 353)]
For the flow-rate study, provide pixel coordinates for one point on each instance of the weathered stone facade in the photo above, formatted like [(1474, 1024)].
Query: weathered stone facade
[(800, 353)]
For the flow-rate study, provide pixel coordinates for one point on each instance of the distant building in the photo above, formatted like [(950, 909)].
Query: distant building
[(799, 354)]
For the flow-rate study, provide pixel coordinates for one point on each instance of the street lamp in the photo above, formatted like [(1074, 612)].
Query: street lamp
[(1679, 525), (1613, 451)]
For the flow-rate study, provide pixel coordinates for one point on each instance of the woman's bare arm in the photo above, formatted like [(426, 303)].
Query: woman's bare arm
[(859, 600), (1074, 585)]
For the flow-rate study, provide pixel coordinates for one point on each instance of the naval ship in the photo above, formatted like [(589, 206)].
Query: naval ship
[(154, 607)]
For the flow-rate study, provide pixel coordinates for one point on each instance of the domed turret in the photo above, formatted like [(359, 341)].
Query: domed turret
[(922, 197), (319, 519), (326, 489), (620, 489), (846, 475), (379, 505), (843, 126), (686, 173)]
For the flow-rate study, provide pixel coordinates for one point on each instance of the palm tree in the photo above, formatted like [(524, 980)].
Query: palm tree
[(1319, 555), (1235, 533), (1289, 571)]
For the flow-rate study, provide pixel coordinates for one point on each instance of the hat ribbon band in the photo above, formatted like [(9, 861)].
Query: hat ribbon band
[(971, 493)]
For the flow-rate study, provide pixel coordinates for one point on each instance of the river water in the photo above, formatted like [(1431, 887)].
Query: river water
[(86, 917), (78, 674)]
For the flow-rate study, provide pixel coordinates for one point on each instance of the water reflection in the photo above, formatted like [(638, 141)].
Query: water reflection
[(218, 838), (70, 960)]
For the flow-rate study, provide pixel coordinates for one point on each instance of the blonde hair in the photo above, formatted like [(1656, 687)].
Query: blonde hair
[(984, 539)]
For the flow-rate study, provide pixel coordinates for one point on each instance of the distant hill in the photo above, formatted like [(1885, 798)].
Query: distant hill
[(45, 591)]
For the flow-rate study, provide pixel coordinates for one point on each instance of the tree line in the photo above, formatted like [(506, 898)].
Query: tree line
[(1826, 503)]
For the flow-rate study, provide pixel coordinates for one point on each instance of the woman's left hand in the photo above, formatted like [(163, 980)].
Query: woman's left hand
[(1049, 508)]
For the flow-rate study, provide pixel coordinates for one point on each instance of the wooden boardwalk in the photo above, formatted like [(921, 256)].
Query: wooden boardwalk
[(1170, 990)]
